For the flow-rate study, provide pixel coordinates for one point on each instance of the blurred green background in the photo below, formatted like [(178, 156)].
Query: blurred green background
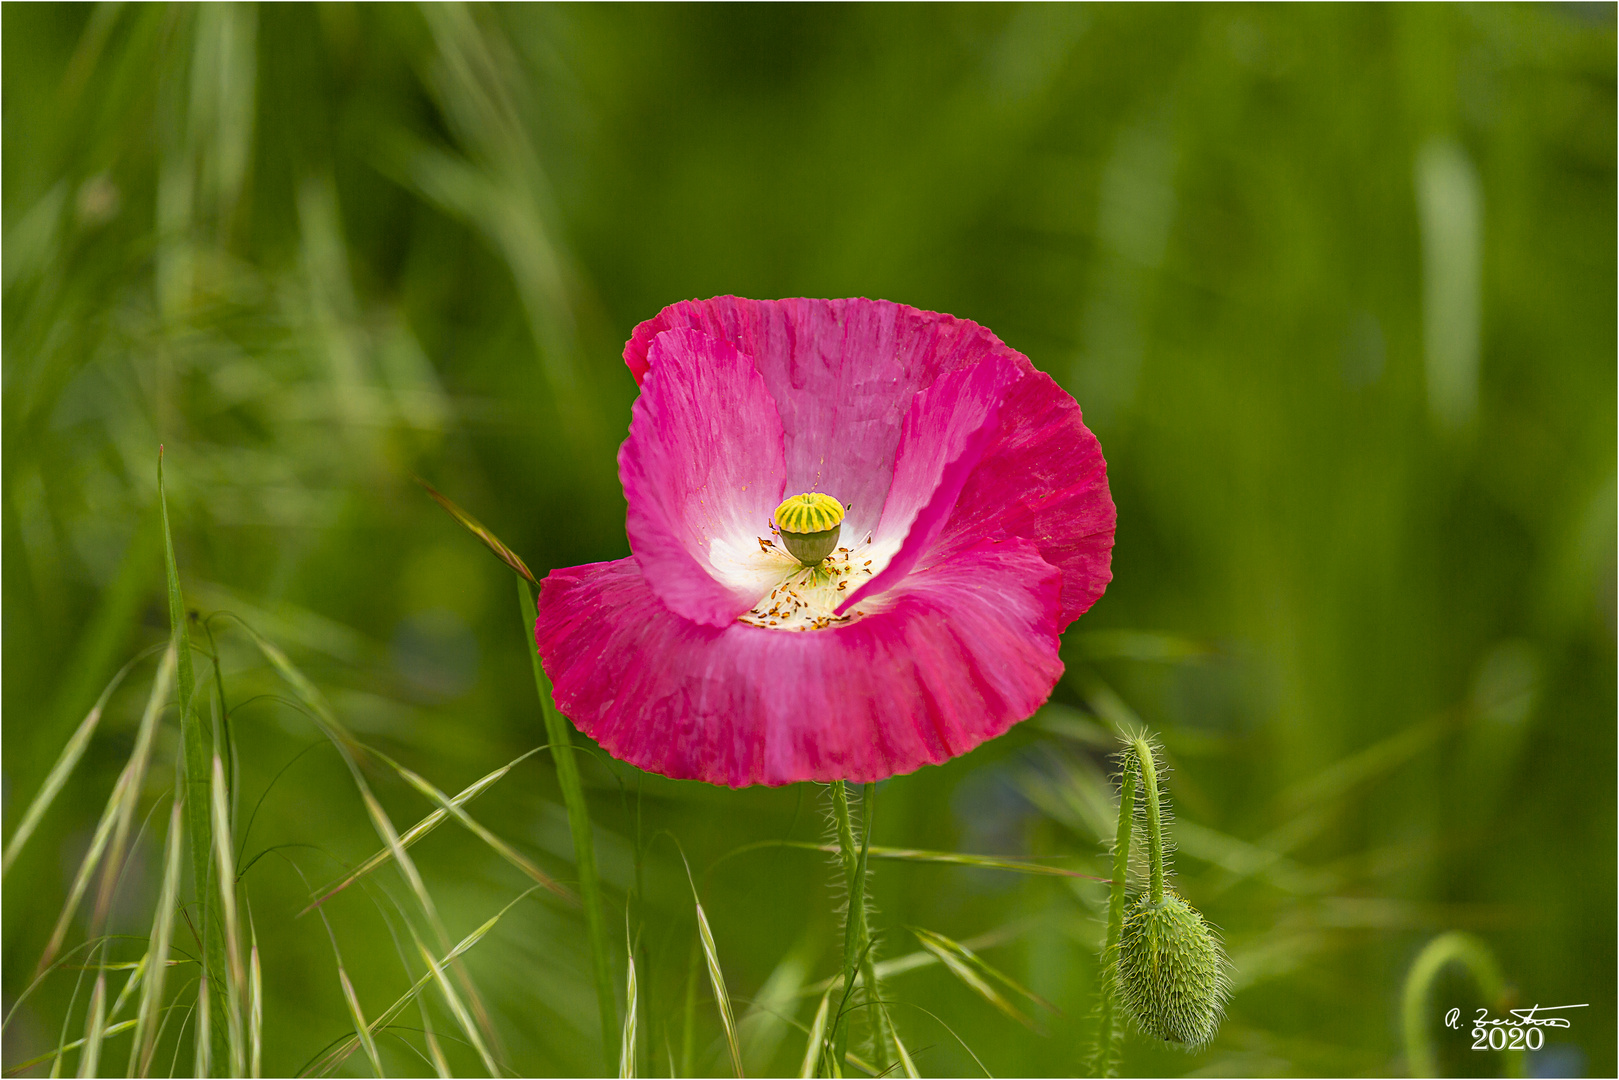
[(1334, 286)]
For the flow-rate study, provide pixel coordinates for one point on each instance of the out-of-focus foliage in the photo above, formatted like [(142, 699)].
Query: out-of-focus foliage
[(1334, 285)]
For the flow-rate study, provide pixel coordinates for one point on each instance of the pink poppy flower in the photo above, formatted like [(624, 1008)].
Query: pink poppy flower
[(972, 520)]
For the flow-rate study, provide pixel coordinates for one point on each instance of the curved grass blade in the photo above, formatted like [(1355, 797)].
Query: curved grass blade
[(361, 1028), (144, 1042), (419, 830), (558, 734), (765, 1022), (453, 1000), (95, 1029), (626, 1048), (194, 752), (137, 978), (341, 1053), (255, 1003), (688, 1026), (815, 1049), (66, 762), (899, 965), (441, 1067), (120, 808), (56, 1053), (500, 847), (952, 1032), (235, 976), (716, 978), (971, 969), (984, 862), (349, 749), (906, 1064), (473, 526), (202, 1060)]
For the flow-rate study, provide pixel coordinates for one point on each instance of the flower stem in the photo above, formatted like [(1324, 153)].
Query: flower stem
[(1475, 957), (855, 936), (584, 850), (885, 1038), (1104, 1057), (1155, 832)]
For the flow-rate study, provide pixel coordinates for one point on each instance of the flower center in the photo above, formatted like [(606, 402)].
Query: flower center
[(809, 525), (808, 597)]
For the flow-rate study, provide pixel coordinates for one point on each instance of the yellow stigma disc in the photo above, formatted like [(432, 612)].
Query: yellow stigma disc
[(811, 512)]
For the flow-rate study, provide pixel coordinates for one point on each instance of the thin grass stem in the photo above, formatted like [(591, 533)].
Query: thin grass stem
[(115, 818), (66, 762), (199, 816), (144, 1042), (235, 975), (584, 849)]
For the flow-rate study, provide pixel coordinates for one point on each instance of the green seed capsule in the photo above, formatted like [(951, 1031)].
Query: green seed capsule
[(1171, 971), (809, 526)]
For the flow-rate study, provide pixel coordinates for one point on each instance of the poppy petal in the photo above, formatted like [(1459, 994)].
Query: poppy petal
[(954, 655), (946, 431), (702, 472), (842, 373), (1043, 479)]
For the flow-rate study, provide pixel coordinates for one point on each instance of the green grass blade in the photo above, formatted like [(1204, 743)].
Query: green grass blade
[(907, 1066), (983, 862), (144, 1043), (499, 846), (55, 1054), (815, 1049), (203, 1059), (66, 762), (476, 528), (95, 1029), (688, 1018), (235, 976), (441, 1067), (361, 1028), (922, 958), (119, 809), (769, 1015), (407, 866), (459, 1010), (341, 1053), (349, 748), (416, 832), (972, 970), (137, 979), (584, 850), (626, 1047), (255, 1010), (716, 979), (194, 753), (961, 970)]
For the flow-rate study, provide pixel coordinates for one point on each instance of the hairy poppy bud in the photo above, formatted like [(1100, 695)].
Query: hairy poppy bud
[(1171, 971)]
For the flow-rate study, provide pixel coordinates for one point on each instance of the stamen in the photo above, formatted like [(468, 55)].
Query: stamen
[(809, 597)]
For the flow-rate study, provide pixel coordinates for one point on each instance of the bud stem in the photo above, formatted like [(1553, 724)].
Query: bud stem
[(1104, 1057), (1155, 833)]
